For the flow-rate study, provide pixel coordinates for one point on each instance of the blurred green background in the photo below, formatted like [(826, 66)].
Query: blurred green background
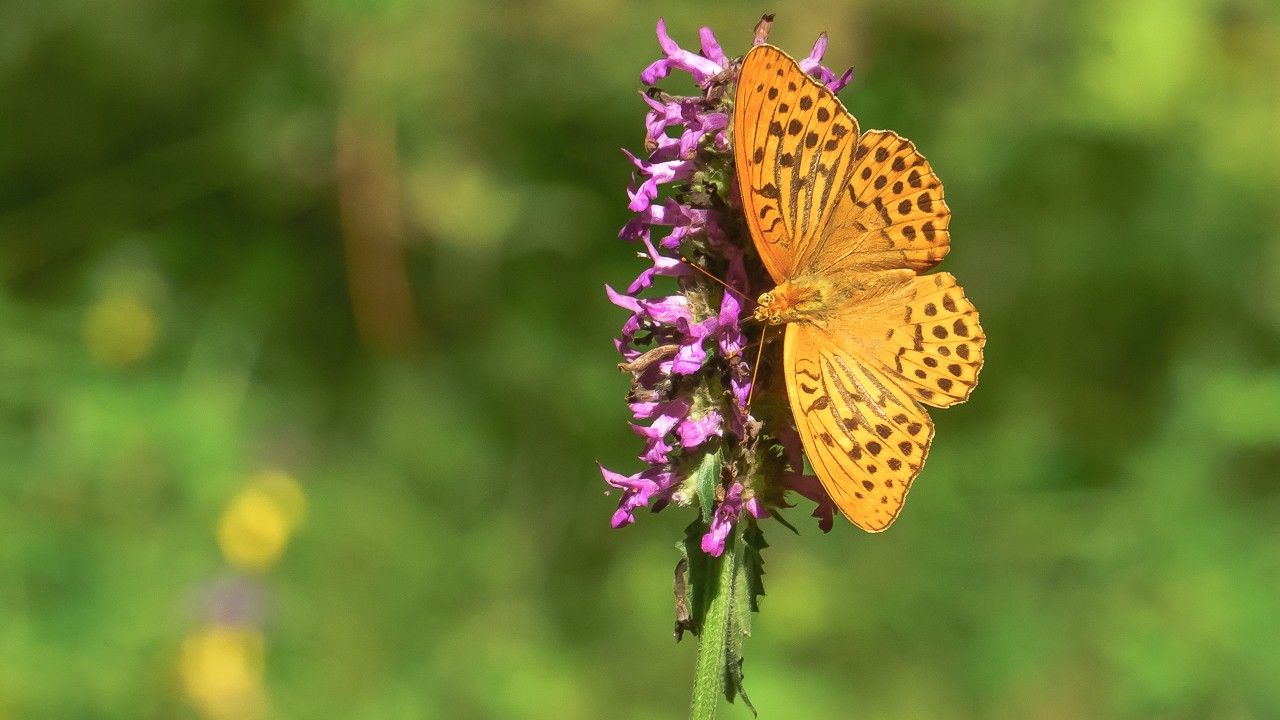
[(305, 363)]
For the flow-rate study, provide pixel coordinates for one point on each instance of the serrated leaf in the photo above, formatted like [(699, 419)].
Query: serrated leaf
[(746, 569), (753, 561), (733, 684), (773, 513), (684, 618), (696, 574)]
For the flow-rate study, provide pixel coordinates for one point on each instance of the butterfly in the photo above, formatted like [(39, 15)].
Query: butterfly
[(845, 222)]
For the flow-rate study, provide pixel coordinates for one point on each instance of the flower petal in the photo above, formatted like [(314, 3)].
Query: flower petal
[(702, 69), (722, 522), (711, 47), (693, 433)]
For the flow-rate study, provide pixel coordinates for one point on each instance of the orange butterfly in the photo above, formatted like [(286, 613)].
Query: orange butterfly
[(845, 222)]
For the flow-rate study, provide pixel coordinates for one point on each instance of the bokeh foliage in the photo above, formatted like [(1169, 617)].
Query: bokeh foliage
[(363, 244)]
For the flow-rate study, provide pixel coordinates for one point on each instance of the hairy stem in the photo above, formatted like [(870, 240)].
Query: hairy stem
[(715, 638)]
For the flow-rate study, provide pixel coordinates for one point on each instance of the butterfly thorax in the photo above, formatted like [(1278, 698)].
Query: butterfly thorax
[(800, 299)]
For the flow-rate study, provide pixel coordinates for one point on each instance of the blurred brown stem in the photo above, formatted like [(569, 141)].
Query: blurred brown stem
[(372, 223)]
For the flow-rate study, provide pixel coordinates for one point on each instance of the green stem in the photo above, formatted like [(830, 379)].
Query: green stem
[(714, 639)]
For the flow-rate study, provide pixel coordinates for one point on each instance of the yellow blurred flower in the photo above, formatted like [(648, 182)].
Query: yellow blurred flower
[(258, 522), (222, 671), (120, 329)]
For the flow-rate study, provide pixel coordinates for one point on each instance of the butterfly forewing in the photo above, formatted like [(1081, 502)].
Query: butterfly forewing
[(890, 215), (792, 147)]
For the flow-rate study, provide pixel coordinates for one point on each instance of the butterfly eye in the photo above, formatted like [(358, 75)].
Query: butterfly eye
[(766, 299)]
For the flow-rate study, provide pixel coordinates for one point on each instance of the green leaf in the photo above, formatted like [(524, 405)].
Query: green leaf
[(696, 578), (773, 512), (753, 562), (748, 567), (706, 478)]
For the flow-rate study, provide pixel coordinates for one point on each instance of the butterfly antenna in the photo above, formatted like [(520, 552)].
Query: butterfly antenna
[(756, 370), (726, 285)]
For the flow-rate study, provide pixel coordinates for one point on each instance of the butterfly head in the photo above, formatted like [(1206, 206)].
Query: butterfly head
[(766, 310)]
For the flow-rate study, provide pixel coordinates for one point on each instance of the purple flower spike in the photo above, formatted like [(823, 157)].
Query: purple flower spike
[(684, 344)]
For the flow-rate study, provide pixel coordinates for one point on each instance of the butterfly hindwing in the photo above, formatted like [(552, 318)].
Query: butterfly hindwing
[(864, 435), (936, 346), (793, 147)]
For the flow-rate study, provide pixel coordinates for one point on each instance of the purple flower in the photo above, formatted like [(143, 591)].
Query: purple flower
[(687, 351), (702, 68), (639, 489), (722, 522), (662, 265), (695, 432), (813, 66), (658, 173), (666, 417)]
